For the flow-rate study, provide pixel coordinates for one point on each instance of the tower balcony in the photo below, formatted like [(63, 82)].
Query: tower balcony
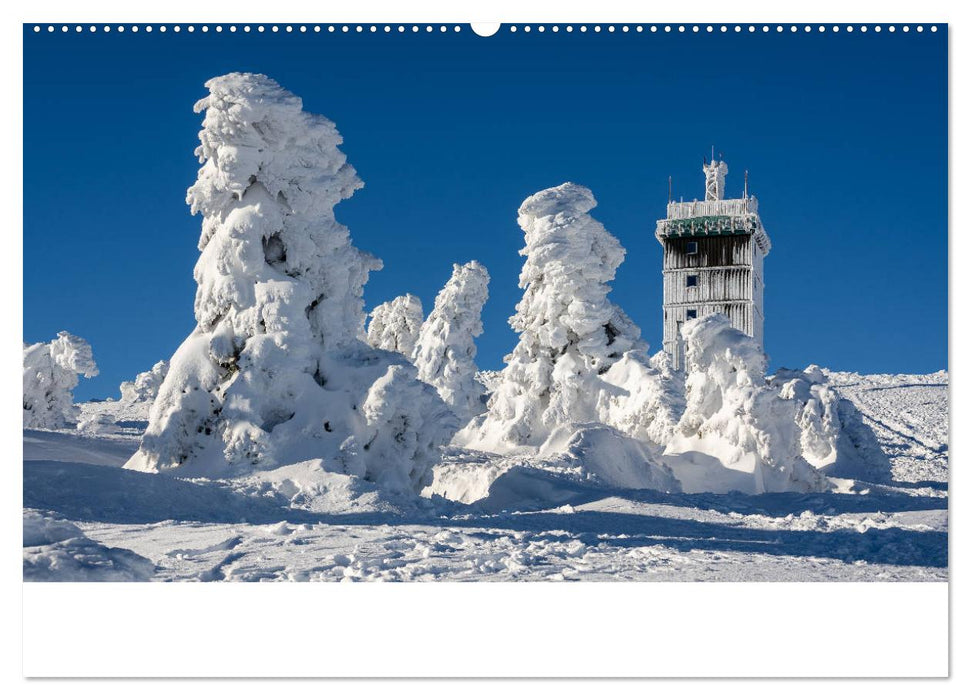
[(720, 217)]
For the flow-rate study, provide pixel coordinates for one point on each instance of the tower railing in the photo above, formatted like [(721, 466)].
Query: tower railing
[(718, 207)]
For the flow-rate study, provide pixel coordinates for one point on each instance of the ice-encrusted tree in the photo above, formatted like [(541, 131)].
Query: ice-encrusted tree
[(570, 334), (51, 372), (833, 435), (144, 388), (395, 324), (734, 416), (445, 351), (276, 370)]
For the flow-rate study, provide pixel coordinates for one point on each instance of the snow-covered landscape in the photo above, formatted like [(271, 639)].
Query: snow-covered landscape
[(295, 437)]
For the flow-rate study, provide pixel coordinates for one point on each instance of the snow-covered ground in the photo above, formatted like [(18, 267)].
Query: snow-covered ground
[(86, 518)]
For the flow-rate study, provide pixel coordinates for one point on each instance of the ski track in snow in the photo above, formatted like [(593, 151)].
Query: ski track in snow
[(198, 530)]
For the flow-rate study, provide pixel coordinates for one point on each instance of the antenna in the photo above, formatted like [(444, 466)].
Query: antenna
[(713, 153), (745, 192), (669, 189)]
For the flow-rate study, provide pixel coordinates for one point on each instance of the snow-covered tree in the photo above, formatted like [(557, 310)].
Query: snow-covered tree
[(145, 386), (734, 416), (570, 334), (276, 370), (445, 351), (833, 435), (395, 324), (51, 372)]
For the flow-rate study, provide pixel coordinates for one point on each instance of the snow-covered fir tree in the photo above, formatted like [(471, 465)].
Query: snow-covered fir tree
[(395, 324), (833, 435), (276, 370), (144, 388), (570, 334), (733, 415), (51, 372), (445, 351)]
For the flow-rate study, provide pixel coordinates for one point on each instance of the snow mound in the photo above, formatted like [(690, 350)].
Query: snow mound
[(51, 372), (445, 351), (57, 550), (575, 460), (97, 423), (395, 324), (606, 455), (736, 432), (570, 336), (276, 371), (309, 486)]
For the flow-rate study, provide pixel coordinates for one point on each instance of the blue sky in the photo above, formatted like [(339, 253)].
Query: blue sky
[(844, 136)]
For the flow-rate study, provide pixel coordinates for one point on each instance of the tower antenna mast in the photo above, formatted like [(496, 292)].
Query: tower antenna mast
[(745, 193), (669, 189)]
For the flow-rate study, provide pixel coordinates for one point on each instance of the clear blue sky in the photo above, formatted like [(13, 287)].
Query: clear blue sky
[(844, 136)]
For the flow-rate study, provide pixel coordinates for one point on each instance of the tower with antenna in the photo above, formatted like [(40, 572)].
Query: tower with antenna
[(713, 259)]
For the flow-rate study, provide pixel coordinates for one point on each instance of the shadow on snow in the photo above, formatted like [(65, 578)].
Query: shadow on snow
[(88, 492)]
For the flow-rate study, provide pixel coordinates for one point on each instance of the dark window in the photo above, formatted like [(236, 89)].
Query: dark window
[(692, 247), (691, 281), (691, 313)]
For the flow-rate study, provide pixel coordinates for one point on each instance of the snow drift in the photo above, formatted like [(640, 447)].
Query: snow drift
[(736, 433), (276, 371), (395, 324), (445, 351), (57, 550), (51, 372), (571, 337), (609, 457)]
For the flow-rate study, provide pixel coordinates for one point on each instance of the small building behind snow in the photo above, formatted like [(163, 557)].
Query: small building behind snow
[(713, 253)]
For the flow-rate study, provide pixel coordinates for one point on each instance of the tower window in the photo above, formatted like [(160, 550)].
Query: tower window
[(691, 313), (692, 247), (691, 281)]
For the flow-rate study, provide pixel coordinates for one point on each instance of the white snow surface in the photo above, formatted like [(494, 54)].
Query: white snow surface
[(277, 371), (51, 372), (395, 324), (505, 518), (445, 350)]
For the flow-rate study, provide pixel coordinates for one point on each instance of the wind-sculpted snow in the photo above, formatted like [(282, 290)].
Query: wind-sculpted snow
[(57, 550), (570, 336), (736, 432), (51, 372), (445, 351), (395, 325), (277, 371)]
